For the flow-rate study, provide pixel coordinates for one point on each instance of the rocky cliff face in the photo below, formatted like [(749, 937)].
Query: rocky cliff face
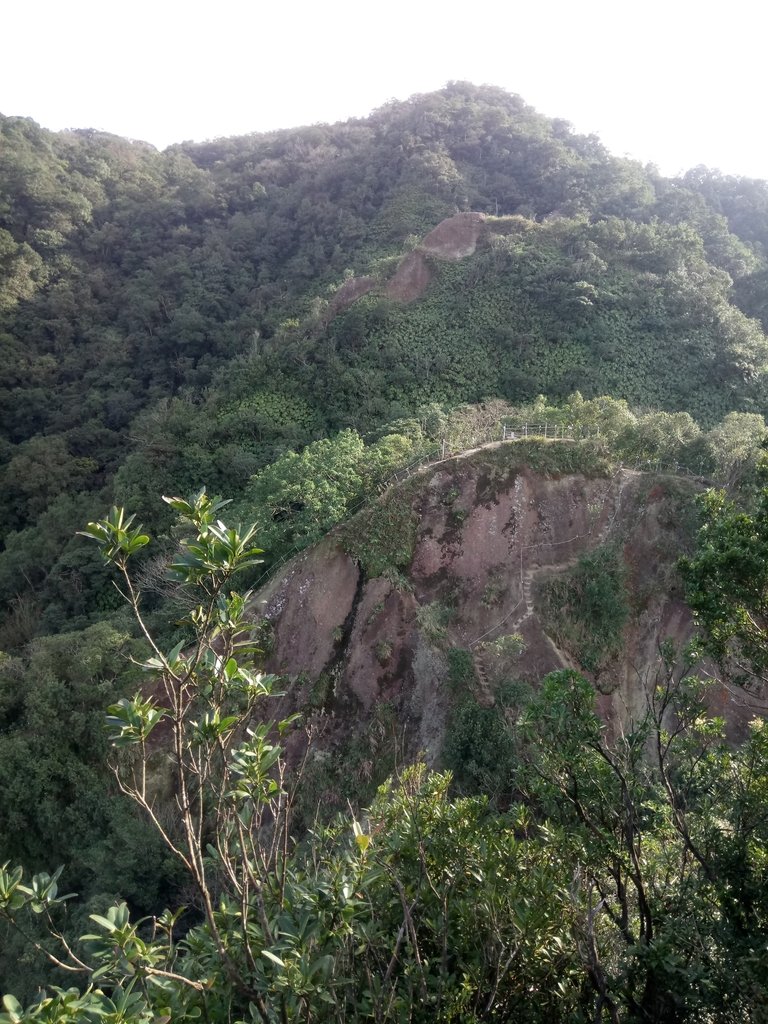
[(579, 565)]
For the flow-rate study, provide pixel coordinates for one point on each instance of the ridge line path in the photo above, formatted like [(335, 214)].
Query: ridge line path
[(496, 444)]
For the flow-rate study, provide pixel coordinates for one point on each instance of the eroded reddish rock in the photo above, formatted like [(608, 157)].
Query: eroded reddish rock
[(380, 649), (452, 239), (308, 604), (488, 542)]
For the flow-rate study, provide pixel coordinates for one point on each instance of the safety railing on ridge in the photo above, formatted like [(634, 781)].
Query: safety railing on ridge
[(445, 451), (441, 452)]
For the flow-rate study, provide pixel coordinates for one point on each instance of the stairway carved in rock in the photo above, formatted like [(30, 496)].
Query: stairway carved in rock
[(484, 694)]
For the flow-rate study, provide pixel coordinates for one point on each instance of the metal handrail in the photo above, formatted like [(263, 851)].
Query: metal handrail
[(443, 452)]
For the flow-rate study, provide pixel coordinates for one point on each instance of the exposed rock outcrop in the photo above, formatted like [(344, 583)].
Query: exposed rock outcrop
[(491, 534)]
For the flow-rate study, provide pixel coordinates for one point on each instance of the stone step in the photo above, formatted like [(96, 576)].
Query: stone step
[(484, 695)]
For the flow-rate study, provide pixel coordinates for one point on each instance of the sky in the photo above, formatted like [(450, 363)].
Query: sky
[(671, 82)]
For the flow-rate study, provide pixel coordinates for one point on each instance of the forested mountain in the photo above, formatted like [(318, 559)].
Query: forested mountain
[(168, 317), (289, 318)]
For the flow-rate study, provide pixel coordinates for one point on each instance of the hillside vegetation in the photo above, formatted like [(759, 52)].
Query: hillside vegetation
[(230, 315), (605, 878), (168, 319)]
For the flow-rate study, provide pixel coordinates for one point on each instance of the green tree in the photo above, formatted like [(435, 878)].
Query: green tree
[(630, 886), (658, 437), (363, 924), (727, 584), (300, 496), (736, 446), (666, 834)]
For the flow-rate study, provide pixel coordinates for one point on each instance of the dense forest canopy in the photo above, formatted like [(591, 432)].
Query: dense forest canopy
[(168, 320), (182, 319)]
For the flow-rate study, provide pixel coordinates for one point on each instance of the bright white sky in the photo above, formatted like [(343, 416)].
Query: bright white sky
[(673, 82)]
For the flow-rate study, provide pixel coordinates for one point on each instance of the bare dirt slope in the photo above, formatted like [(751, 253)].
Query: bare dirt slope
[(452, 239)]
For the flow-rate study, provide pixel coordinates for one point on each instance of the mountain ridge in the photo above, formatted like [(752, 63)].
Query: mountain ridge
[(491, 539)]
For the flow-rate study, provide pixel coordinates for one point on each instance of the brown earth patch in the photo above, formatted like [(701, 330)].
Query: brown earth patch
[(452, 239), (350, 291), (380, 646), (429, 704), (411, 278), (455, 237)]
